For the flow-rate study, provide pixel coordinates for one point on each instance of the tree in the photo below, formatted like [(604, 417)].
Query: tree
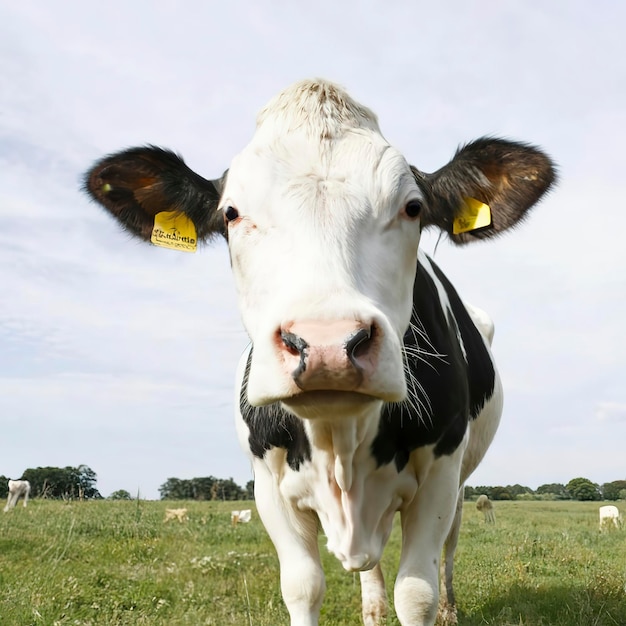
[(86, 480), (120, 494), (469, 493), (483, 489), (4, 487), (176, 489), (250, 490), (230, 490), (226, 489), (612, 490), (556, 489), (583, 489), (519, 490), (500, 493), (63, 482), (203, 488)]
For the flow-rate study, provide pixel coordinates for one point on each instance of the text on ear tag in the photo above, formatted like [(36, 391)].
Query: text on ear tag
[(174, 230)]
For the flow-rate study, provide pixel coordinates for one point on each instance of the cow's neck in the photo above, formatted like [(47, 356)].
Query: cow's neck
[(340, 443), (342, 483)]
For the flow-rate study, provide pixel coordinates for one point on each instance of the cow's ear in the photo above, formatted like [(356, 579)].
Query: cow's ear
[(136, 184), (488, 187)]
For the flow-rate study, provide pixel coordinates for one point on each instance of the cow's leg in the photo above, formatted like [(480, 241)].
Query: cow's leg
[(426, 522), (26, 492), (447, 604), (374, 597), (11, 500), (294, 535)]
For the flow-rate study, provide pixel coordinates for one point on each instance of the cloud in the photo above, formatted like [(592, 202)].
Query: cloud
[(612, 412)]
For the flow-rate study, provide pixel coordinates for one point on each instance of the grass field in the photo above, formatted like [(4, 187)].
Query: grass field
[(106, 562)]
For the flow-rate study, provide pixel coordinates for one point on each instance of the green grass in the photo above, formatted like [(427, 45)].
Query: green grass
[(101, 563)]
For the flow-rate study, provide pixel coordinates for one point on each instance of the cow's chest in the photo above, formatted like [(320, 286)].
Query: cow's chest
[(354, 497)]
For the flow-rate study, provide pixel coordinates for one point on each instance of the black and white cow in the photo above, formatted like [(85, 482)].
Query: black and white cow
[(369, 387)]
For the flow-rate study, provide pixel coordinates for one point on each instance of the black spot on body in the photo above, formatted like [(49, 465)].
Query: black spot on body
[(480, 371), (273, 427), (451, 390)]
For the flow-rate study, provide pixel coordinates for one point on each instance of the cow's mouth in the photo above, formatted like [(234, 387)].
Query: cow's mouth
[(318, 403)]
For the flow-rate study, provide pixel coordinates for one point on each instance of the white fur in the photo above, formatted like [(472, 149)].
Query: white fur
[(485, 506), (305, 230), (609, 516), (17, 489), (240, 517), (179, 514)]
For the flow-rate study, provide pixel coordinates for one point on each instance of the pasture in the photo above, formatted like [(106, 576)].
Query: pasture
[(116, 562)]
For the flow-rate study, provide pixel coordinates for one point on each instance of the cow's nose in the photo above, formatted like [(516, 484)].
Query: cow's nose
[(328, 355)]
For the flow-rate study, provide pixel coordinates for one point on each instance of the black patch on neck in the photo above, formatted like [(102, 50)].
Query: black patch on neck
[(481, 374), (272, 427), (449, 390)]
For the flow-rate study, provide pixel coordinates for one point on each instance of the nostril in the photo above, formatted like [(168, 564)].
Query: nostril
[(297, 347), (359, 342), (294, 344)]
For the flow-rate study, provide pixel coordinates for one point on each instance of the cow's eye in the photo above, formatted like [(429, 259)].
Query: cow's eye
[(231, 213), (413, 208)]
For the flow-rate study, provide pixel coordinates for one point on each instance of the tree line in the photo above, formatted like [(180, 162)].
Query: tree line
[(60, 483), (79, 483), (576, 489), (212, 488), (205, 488)]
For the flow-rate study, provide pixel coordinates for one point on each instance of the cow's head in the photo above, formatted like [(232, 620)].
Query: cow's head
[(323, 220)]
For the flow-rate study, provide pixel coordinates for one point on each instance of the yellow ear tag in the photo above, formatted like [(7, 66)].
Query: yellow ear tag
[(174, 230), (473, 215)]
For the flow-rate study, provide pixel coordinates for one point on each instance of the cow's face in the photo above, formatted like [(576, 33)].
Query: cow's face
[(323, 238), (323, 219)]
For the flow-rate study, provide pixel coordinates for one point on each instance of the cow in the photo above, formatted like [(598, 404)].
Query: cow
[(179, 514), (240, 517), (485, 506), (368, 387), (609, 516), (17, 489)]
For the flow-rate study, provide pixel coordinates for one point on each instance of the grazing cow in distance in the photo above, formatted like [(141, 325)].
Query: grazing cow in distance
[(609, 516), (369, 387), (17, 489), (243, 516), (179, 514), (485, 506)]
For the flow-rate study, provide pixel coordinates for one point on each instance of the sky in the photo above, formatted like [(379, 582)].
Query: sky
[(121, 356)]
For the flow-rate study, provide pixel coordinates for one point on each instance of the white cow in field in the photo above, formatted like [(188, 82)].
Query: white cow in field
[(17, 489), (243, 516), (610, 516), (179, 514), (485, 506), (369, 388)]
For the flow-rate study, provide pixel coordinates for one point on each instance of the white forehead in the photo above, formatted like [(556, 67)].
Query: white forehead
[(313, 140), (317, 107)]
